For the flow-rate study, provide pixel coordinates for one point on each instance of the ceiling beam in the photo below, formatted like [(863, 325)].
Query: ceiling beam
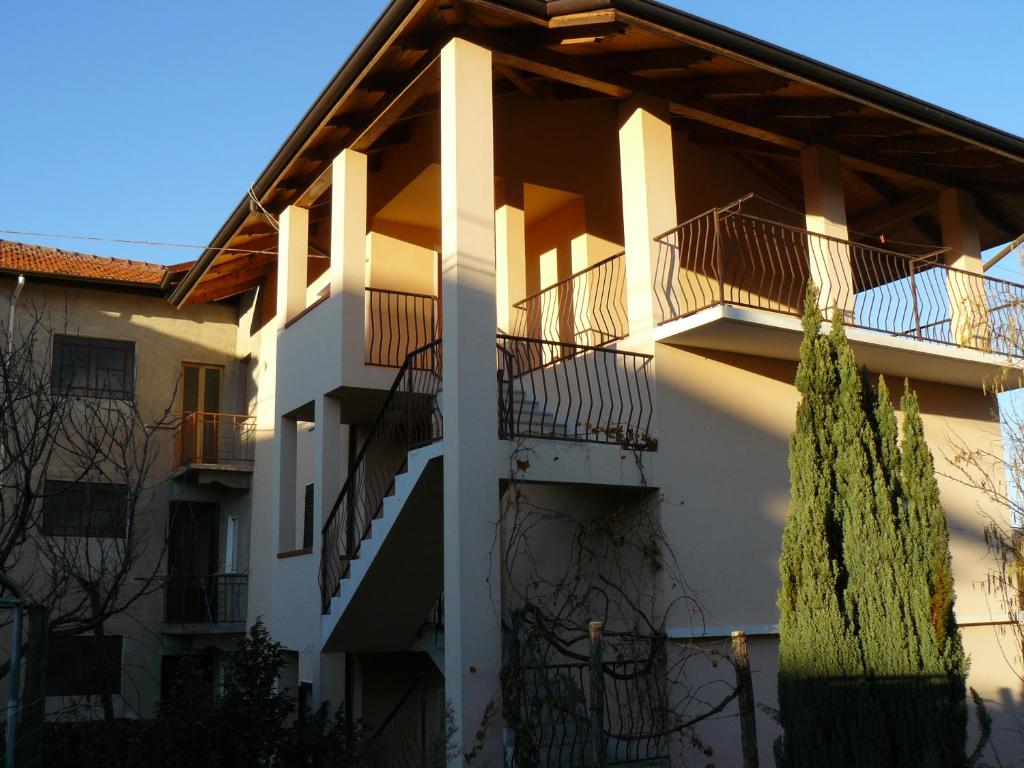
[(660, 59), (889, 214)]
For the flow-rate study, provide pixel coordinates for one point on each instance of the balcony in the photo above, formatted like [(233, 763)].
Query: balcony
[(588, 307), (205, 604), (731, 281), (397, 323), (214, 448)]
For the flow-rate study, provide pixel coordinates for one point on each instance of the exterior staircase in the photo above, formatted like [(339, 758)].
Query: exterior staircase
[(398, 570)]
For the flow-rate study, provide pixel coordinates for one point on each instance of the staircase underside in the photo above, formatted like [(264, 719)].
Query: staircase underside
[(400, 569)]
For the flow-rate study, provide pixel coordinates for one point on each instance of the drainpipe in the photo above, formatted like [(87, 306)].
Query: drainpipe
[(10, 314)]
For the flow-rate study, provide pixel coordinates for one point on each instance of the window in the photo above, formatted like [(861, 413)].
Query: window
[(93, 367), (307, 519), (84, 509), (73, 666)]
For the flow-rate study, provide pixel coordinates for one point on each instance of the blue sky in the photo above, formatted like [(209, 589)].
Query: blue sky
[(148, 121)]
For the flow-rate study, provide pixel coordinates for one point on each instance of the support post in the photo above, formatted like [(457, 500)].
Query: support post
[(968, 305), (598, 746), (292, 257), (348, 250), (510, 259), (285, 447), (825, 213), (648, 207), (748, 723), (472, 623)]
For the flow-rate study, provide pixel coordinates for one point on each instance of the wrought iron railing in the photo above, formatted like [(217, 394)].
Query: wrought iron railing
[(410, 417), (726, 256), (560, 391), (214, 438), (554, 712), (218, 598), (397, 322), (588, 307)]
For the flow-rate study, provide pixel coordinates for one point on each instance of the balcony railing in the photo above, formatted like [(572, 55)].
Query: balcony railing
[(214, 439), (216, 599), (410, 417), (588, 307), (397, 322), (726, 256), (554, 390)]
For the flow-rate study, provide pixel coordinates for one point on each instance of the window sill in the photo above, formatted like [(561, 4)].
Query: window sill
[(295, 553)]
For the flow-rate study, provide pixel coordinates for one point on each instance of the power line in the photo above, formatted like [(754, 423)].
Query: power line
[(91, 238)]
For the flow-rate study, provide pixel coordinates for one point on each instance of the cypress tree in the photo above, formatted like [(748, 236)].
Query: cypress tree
[(943, 664), (871, 668), (816, 645)]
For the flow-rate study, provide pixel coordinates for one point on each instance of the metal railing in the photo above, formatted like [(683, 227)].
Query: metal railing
[(726, 256), (554, 712), (218, 598), (410, 417), (554, 390), (588, 307), (214, 438), (397, 322)]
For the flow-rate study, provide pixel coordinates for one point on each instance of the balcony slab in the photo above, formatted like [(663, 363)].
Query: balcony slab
[(745, 331)]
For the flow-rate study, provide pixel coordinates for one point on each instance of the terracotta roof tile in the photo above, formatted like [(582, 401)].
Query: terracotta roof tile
[(41, 260)]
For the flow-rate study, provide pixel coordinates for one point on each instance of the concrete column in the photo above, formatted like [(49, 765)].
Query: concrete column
[(510, 258), (648, 207), (472, 624), (968, 306), (580, 327), (328, 472), (292, 255), (348, 250), (285, 445), (825, 212)]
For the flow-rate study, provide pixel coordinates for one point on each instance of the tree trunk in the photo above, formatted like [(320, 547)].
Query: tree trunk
[(106, 695)]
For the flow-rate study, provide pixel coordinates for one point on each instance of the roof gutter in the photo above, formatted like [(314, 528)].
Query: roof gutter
[(810, 69)]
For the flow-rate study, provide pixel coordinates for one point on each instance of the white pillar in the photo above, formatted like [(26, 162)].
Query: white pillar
[(292, 255), (328, 471), (348, 250), (472, 624), (968, 307), (825, 212), (648, 208), (285, 445), (510, 259)]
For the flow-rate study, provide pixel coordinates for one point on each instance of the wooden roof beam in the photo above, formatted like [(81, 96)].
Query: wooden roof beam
[(891, 213)]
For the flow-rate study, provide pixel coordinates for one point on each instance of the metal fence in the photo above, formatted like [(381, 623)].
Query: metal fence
[(219, 598), (410, 417), (214, 438), (397, 322), (555, 390), (726, 256), (588, 307)]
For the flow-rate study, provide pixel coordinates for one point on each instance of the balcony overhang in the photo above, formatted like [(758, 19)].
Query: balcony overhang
[(235, 477), (758, 332)]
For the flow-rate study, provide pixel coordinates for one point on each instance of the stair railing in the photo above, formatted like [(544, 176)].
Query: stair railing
[(409, 418), (555, 390)]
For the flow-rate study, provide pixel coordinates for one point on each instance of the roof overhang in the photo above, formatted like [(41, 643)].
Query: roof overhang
[(342, 104)]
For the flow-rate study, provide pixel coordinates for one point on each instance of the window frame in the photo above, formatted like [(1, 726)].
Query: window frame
[(55, 488), (83, 679), (93, 346)]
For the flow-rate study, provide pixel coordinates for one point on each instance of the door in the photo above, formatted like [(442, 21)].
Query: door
[(192, 561), (200, 404)]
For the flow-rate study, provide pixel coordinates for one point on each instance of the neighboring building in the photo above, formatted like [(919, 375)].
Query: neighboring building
[(112, 315), (593, 222)]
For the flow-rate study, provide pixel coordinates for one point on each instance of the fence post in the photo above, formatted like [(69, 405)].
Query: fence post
[(599, 758), (748, 726), (913, 298), (718, 258)]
